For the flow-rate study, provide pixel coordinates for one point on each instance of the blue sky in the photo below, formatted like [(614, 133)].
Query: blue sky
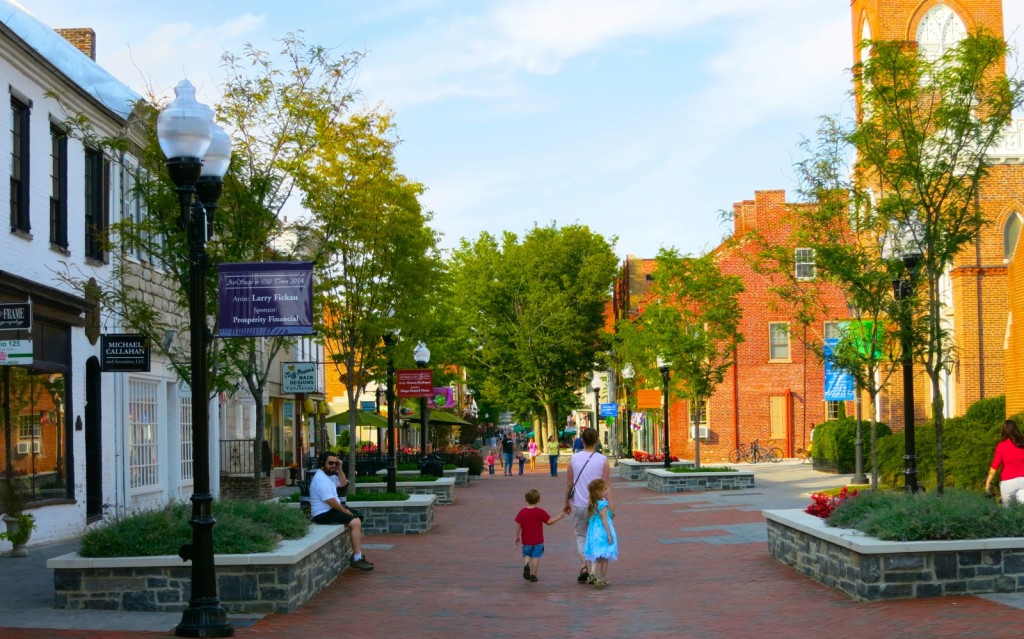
[(639, 118)]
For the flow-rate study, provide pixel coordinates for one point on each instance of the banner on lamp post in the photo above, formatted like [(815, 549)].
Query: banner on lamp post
[(442, 397), (839, 383), (265, 299), (415, 382)]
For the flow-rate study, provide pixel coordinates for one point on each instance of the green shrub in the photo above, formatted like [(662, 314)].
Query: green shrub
[(242, 527), (835, 443), (988, 411), (898, 516), (967, 446), (365, 496), (475, 463)]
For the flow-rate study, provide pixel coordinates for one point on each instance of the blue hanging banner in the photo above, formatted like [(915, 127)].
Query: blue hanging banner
[(839, 384)]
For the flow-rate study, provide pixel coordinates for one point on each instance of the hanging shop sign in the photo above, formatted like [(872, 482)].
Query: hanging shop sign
[(368, 406), (416, 382), (124, 352), (15, 352), (648, 398), (16, 317), (839, 383), (298, 377), (265, 299)]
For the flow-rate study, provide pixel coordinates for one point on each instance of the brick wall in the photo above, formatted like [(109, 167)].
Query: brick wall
[(84, 39)]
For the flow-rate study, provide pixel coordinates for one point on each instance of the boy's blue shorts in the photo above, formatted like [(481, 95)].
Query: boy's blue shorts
[(536, 551)]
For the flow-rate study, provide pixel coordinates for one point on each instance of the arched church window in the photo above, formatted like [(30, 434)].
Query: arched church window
[(939, 30), (1011, 231)]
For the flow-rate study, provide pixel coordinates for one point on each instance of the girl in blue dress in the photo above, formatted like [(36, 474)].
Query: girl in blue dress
[(602, 543)]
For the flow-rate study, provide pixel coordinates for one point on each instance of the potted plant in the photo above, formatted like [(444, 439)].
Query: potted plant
[(19, 523)]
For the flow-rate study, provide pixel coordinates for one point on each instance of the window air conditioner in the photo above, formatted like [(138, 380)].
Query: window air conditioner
[(23, 448), (703, 432)]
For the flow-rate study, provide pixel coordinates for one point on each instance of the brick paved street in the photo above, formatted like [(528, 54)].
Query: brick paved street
[(693, 565)]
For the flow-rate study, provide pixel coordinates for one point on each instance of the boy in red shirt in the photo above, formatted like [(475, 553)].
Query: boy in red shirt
[(530, 533)]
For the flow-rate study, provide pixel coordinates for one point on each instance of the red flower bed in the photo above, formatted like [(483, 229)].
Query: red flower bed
[(822, 505)]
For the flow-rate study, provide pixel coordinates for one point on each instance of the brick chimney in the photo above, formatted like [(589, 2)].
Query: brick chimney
[(83, 38)]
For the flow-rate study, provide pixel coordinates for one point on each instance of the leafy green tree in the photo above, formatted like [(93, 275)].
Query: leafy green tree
[(378, 260), (529, 314), (692, 322), (921, 145)]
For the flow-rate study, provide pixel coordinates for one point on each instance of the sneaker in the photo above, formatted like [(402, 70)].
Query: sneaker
[(534, 578), (584, 576), (361, 564), (526, 572)]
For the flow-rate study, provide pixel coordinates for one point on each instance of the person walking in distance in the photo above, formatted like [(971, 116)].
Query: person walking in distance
[(1008, 461), (530, 533), (490, 463), (602, 543), (533, 450), (552, 450), (584, 467), (326, 508), (508, 449)]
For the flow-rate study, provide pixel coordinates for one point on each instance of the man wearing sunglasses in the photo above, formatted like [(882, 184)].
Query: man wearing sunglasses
[(325, 508)]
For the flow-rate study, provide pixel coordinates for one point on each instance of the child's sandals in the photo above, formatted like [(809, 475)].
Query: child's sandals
[(599, 583)]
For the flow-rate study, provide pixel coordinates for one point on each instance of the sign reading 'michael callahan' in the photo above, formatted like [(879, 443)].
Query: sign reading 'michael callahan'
[(265, 299)]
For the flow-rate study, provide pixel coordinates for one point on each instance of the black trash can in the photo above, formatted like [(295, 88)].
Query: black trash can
[(431, 465)]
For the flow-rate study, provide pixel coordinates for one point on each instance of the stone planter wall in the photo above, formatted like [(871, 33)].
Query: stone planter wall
[(443, 488), (870, 569), (636, 471), (665, 481), (414, 516), (461, 475), (280, 581)]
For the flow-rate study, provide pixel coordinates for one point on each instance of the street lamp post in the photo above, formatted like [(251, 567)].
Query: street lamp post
[(858, 446), (390, 339), (596, 385), (903, 291), (421, 354), (664, 367), (380, 440), (197, 159), (627, 375)]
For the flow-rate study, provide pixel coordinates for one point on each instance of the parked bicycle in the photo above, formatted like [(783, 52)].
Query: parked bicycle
[(755, 453)]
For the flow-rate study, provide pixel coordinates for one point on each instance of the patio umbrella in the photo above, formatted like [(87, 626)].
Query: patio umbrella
[(362, 419), (517, 428)]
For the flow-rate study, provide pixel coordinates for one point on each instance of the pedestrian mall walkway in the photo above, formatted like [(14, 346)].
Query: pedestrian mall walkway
[(691, 565)]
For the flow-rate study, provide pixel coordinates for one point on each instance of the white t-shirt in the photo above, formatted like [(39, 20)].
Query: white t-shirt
[(586, 467), (321, 488)]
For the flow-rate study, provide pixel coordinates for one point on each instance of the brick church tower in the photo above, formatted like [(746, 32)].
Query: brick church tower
[(977, 293)]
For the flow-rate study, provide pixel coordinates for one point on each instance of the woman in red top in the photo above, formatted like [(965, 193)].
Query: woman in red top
[(1010, 458)]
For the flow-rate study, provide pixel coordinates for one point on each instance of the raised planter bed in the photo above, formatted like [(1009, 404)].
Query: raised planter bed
[(870, 569), (665, 481), (415, 516), (461, 475), (279, 581), (636, 471), (443, 488)]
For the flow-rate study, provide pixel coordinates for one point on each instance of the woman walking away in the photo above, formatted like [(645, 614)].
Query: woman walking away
[(553, 454), (1009, 457), (602, 543)]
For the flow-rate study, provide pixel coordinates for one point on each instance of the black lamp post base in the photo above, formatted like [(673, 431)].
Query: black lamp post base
[(206, 621)]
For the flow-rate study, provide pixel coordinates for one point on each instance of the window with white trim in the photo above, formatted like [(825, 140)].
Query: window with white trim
[(143, 433), (833, 330), (185, 419), (832, 410), (1011, 232), (939, 30), (803, 259), (778, 341)]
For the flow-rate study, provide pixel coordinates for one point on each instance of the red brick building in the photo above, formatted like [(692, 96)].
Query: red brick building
[(775, 393)]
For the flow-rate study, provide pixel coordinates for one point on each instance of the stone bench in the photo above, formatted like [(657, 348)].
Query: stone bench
[(870, 569), (461, 475), (631, 470), (280, 581), (666, 481), (443, 488), (415, 516)]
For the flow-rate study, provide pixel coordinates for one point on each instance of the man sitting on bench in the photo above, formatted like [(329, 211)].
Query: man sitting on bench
[(325, 507)]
